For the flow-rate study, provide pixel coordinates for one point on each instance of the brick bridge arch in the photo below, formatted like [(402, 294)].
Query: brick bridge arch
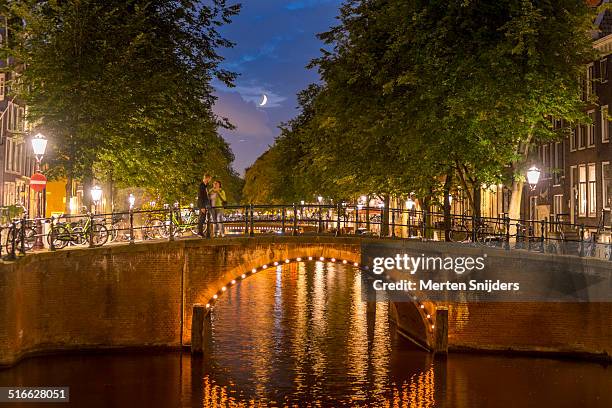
[(415, 320)]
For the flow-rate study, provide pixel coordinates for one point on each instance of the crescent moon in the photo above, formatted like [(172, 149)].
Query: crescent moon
[(264, 100)]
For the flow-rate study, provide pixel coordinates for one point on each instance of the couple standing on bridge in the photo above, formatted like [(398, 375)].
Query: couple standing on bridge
[(211, 200)]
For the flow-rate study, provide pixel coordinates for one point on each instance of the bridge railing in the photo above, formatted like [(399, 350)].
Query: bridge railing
[(22, 235)]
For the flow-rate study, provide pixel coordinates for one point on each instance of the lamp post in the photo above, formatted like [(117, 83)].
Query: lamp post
[(533, 176), (96, 196), (39, 146), (131, 201)]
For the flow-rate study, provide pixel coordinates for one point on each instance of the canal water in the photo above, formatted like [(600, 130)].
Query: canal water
[(301, 336)]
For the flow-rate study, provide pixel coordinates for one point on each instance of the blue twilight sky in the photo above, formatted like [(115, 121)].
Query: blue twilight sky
[(275, 40)]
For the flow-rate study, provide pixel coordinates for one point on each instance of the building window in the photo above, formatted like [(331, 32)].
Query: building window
[(605, 125), (573, 138), (603, 70), (2, 85), (592, 190), (544, 157), (591, 129), (582, 190), (559, 163), (581, 137), (557, 205), (605, 183)]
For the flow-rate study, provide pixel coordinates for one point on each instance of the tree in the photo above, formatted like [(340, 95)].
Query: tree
[(124, 88), (416, 94)]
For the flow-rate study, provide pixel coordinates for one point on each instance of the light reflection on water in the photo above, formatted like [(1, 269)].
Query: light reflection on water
[(301, 336)]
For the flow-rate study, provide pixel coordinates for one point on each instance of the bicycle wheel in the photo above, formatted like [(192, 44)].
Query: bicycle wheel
[(61, 237), (459, 234), (100, 234), (78, 236), (157, 228), (29, 239)]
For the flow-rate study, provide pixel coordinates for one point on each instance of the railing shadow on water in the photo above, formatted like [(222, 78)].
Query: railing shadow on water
[(22, 235)]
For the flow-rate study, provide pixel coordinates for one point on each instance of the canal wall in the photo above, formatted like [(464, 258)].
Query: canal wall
[(133, 296)]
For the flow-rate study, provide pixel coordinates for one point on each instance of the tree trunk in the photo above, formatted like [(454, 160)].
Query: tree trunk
[(514, 210), (477, 200), (384, 227), (68, 193), (447, 205), (87, 185)]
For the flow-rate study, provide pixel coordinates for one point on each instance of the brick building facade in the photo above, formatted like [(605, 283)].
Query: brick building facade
[(17, 161), (575, 176)]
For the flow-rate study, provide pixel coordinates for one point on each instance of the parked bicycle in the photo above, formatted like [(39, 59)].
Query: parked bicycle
[(17, 231), (483, 231), (181, 221), (78, 233)]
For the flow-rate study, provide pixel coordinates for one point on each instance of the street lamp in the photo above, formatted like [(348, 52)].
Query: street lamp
[(533, 176), (410, 204), (320, 199), (39, 145), (96, 196), (131, 200)]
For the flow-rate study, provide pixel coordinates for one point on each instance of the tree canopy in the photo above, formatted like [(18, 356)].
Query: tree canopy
[(123, 89), (415, 92)]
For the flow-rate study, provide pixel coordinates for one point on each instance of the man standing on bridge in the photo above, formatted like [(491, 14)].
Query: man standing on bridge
[(203, 205)]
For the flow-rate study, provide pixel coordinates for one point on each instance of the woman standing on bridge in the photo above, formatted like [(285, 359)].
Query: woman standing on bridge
[(218, 199)]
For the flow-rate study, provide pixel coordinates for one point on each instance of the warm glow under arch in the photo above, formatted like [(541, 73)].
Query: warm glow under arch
[(422, 308)]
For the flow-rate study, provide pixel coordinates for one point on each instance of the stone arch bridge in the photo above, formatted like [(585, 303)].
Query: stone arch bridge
[(142, 295)]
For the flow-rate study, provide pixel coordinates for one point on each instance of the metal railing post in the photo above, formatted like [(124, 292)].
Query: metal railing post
[(252, 232), (52, 235), (357, 219), (392, 223), (338, 208), (246, 220), (22, 235), (209, 224), (13, 254), (542, 229), (409, 222), (295, 220), (320, 227), (170, 223), (132, 226), (474, 231), (581, 250), (507, 226), (367, 215), (91, 230), (283, 219), (424, 226)]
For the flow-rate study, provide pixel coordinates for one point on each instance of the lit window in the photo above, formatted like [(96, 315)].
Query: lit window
[(2, 85), (558, 204), (582, 190), (603, 70), (605, 183), (592, 191)]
